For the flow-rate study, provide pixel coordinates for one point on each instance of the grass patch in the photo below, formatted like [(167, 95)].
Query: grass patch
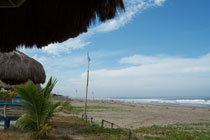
[(97, 132), (89, 132), (195, 131)]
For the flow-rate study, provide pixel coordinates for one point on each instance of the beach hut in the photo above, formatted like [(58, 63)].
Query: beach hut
[(18, 68), (41, 22)]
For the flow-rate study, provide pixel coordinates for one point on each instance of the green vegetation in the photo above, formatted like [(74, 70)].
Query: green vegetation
[(38, 106), (99, 133), (69, 128), (196, 131), (6, 95), (78, 109), (92, 132)]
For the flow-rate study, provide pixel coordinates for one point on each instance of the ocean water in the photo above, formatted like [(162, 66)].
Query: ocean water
[(178, 101)]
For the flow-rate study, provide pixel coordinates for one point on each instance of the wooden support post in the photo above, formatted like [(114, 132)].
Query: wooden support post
[(5, 111), (91, 121), (112, 124), (84, 117), (102, 124), (129, 134)]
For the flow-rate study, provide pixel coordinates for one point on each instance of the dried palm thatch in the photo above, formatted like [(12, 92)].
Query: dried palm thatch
[(17, 68), (40, 22)]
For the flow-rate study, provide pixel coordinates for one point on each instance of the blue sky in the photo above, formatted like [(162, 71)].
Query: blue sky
[(155, 48)]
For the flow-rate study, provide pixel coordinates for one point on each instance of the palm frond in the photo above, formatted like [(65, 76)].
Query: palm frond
[(38, 106), (49, 87)]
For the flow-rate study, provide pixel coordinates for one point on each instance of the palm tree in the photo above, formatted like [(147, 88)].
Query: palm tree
[(38, 106)]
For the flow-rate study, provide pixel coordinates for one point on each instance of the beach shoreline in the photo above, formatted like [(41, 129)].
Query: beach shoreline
[(134, 115)]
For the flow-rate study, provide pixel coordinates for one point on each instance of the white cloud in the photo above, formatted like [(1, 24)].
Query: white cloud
[(157, 65), (141, 59), (161, 59), (159, 2), (66, 47), (153, 75)]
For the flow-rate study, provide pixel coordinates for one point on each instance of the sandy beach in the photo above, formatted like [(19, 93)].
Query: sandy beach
[(131, 115)]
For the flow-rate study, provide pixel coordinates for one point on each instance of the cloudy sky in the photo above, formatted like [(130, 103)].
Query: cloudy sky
[(155, 48)]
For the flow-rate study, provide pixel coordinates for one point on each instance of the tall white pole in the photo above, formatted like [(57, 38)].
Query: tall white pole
[(85, 107)]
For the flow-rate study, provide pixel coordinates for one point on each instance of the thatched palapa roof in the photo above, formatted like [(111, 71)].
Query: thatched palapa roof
[(18, 68), (40, 22)]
